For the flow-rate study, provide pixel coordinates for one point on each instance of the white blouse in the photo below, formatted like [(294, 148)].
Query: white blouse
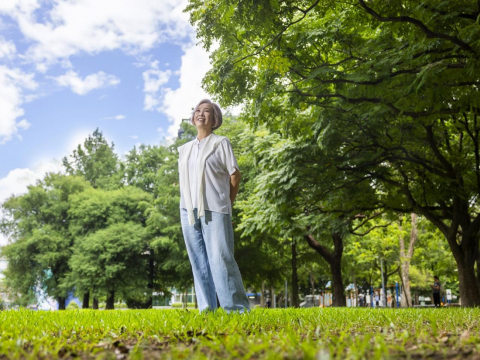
[(219, 166)]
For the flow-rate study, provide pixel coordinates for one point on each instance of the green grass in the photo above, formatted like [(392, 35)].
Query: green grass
[(321, 334)]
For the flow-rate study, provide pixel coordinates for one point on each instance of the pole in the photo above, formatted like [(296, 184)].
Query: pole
[(396, 290), (262, 298), (286, 293), (384, 300), (372, 302), (274, 298)]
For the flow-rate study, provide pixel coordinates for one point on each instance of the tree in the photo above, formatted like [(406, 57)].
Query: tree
[(388, 89), (163, 223), (262, 257), (96, 161), (141, 169), (289, 202), (96, 209), (432, 256), (378, 244), (110, 261), (405, 258), (41, 244)]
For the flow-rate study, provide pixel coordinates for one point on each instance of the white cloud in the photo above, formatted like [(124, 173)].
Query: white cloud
[(153, 81), (17, 180), (134, 137), (19, 6), (82, 86), (7, 48), (92, 26), (116, 117), (12, 84), (177, 103)]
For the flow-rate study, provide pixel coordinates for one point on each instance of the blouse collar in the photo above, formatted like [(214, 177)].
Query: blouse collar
[(196, 141)]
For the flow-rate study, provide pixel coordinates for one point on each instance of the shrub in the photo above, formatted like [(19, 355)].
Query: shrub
[(72, 305), (116, 305), (180, 305)]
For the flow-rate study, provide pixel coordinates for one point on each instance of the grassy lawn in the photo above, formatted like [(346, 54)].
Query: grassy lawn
[(321, 334)]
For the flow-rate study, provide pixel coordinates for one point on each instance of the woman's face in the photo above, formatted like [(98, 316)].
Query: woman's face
[(204, 116)]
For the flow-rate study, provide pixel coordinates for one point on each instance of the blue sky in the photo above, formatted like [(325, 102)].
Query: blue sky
[(129, 67)]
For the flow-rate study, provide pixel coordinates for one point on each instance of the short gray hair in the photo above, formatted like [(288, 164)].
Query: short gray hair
[(217, 113)]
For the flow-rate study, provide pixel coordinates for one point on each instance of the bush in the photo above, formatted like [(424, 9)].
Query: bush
[(72, 305), (180, 305), (116, 305)]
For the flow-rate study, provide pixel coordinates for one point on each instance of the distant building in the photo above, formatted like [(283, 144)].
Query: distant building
[(178, 297)]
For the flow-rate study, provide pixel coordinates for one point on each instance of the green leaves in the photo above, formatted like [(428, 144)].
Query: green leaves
[(110, 259), (95, 161), (42, 243)]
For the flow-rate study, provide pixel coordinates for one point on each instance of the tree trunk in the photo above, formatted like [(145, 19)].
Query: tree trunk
[(462, 235), (95, 303), (387, 273), (405, 258), (295, 300), (262, 295), (110, 305), (151, 278), (86, 300), (355, 288), (61, 303), (478, 265), (465, 252), (312, 282), (469, 289), (339, 299), (334, 259)]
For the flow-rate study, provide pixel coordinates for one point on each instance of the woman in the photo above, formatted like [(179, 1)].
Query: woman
[(209, 182), (436, 291)]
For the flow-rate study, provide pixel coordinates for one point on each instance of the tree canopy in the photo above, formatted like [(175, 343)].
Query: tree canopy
[(387, 90)]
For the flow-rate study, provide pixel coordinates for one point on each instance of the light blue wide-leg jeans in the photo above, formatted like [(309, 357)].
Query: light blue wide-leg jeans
[(210, 250)]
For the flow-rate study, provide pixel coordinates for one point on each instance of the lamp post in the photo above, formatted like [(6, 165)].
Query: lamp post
[(384, 298)]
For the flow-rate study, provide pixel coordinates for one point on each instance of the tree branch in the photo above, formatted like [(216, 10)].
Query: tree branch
[(285, 28), (396, 110), (372, 228), (419, 24), (367, 219), (413, 235), (322, 250), (431, 141)]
